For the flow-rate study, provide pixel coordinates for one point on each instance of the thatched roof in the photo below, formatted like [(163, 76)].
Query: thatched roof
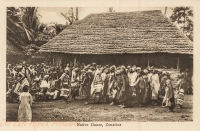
[(117, 33), (13, 50)]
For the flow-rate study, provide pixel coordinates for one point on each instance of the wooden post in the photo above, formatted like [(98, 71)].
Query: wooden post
[(178, 64), (74, 61), (53, 60), (148, 60)]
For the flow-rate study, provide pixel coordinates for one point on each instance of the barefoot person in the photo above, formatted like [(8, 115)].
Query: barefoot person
[(75, 83), (168, 99), (25, 99), (155, 86), (180, 86), (87, 81), (65, 83), (125, 92)]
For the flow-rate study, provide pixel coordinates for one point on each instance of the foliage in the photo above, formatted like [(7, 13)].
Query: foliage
[(184, 18), (28, 20), (31, 49), (111, 10), (48, 31), (70, 17), (29, 17)]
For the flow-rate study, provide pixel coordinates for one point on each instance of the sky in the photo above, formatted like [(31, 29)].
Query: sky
[(53, 14)]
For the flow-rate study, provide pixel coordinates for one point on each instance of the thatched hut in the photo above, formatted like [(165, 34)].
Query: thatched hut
[(141, 38)]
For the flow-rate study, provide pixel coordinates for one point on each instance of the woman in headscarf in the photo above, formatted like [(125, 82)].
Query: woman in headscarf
[(139, 84), (149, 75), (111, 76), (168, 99), (116, 87), (75, 83), (125, 92), (180, 86), (97, 84), (162, 85), (65, 84), (105, 81), (146, 97), (87, 81)]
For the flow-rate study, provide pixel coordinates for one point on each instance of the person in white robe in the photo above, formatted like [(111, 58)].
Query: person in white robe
[(155, 86)]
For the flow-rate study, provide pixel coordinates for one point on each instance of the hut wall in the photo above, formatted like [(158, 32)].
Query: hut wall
[(157, 60)]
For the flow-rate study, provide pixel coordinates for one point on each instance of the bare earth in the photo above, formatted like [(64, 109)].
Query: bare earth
[(77, 111)]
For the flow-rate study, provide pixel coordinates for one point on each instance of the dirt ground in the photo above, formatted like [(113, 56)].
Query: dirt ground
[(77, 111)]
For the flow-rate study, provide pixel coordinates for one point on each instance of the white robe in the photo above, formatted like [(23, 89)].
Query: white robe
[(132, 78), (44, 84), (155, 84)]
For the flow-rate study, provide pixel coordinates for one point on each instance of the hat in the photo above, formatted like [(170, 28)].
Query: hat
[(117, 72), (105, 70), (122, 70), (138, 68), (113, 68), (90, 71), (67, 69), (145, 71), (128, 66), (118, 68), (46, 76), (83, 71), (98, 72), (107, 66), (93, 63), (152, 67), (98, 66), (133, 68), (123, 67), (76, 69), (164, 72)]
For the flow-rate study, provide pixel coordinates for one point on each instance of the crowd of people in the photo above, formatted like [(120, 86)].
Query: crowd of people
[(125, 86)]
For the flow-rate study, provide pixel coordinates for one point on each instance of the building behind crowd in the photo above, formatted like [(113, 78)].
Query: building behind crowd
[(141, 38)]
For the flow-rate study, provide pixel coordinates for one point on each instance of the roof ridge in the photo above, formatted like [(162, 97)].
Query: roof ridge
[(128, 12), (121, 12)]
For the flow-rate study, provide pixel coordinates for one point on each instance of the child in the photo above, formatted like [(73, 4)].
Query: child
[(25, 99)]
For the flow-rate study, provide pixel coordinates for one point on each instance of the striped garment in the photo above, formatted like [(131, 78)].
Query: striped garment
[(180, 97)]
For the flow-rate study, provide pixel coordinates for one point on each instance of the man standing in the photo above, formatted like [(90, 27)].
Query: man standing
[(111, 76), (75, 83), (155, 86), (65, 84), (87, 81), (132, 78)]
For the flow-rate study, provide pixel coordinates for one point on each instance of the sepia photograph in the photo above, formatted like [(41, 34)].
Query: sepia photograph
[(99, 64)]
